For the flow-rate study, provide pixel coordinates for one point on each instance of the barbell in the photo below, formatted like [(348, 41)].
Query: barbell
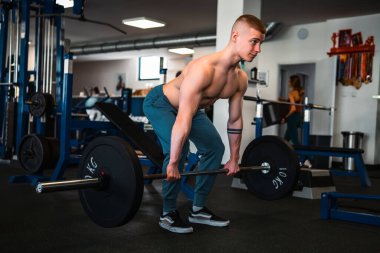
[(310, 105), (111, 182)]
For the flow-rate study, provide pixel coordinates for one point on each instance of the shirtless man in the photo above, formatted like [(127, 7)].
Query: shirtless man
[(174, 111)]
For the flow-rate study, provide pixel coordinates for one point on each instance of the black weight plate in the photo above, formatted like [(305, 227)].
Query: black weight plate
[(34, 153), (116, 203), (38, 106), (283, 161), (41, 103)]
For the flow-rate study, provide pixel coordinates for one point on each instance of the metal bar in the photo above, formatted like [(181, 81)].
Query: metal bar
[(10, 46), (44, 52), (84, 115), (312, 106), (17, 47), (207, 172), (51, 54), (97, 182), (69, 185)]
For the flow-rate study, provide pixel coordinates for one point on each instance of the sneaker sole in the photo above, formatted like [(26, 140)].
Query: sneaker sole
[(176, 229), (209, 222)]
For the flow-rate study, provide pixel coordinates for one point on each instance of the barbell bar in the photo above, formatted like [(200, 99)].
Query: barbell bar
[(310, 105), (111, 180), (101, 181)]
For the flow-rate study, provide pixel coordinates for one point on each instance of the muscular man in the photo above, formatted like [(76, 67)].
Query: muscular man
[(174, 111)]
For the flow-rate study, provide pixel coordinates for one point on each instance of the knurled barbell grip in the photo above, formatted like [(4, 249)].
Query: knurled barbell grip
[(67, 185), (206, 172)]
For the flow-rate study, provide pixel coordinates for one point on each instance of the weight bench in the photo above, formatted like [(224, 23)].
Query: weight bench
[(134, 134), (354, 153)]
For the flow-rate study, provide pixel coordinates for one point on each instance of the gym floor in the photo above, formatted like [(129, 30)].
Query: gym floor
[(55, 222)]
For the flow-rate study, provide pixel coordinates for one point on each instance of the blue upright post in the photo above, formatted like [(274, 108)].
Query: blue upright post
[(259, 118), (22, 115), (65, 122), (306, 124), (4, 16), (59, 58)]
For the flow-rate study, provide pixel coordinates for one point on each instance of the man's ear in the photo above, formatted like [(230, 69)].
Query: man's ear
[(234, 36)]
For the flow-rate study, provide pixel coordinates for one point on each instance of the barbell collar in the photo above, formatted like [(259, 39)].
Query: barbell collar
[(207, 172), (67, 185)]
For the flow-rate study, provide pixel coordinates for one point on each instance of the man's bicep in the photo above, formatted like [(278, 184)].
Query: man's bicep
[(189, 100)]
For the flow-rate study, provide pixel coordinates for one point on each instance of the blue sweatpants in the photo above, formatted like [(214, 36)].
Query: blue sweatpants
[(162, 115)]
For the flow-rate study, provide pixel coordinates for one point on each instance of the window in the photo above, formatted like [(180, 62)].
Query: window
[(149, 67)]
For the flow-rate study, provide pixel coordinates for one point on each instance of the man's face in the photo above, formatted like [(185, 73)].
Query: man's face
[(248, 42)]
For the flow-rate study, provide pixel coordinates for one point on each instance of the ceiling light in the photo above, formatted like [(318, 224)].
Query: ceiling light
[(143, 22), (182, 50), (65, 3)]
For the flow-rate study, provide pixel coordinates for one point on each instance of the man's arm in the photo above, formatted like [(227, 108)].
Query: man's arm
[(235, 126), (190, 95)]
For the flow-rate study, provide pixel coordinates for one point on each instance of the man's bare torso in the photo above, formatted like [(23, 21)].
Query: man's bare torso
[(220, 81)]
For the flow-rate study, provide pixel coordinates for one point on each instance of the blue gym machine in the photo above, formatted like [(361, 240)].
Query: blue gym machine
[(14, 81)]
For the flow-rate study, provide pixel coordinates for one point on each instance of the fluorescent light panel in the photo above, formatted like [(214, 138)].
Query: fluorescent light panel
[(143, 22), (181, 50), (66, 3)]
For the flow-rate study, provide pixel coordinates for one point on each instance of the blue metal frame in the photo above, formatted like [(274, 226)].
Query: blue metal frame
[(65, 122), (306, 126), (361, 169), (22, 114), (258, 120), (4, 15), (330, 208)]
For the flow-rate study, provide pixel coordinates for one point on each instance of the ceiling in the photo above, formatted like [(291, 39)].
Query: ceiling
[(197, 16)]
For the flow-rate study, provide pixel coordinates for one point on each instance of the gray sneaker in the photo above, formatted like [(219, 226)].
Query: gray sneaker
[(205, 216), (173, 222)]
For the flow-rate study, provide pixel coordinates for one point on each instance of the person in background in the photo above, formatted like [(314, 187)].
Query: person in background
[(294, 116)]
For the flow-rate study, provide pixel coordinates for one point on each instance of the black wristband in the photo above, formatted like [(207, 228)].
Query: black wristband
[(234, 130)]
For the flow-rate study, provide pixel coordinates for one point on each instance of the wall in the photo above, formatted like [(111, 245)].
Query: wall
[(99, 73), (90, 70), (357, 109)]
